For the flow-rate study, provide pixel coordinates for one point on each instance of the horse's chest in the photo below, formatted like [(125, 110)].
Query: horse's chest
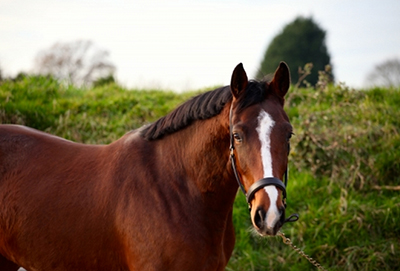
[(183, 248)]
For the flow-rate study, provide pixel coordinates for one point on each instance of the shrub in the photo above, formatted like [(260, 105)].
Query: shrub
[(345, 134)]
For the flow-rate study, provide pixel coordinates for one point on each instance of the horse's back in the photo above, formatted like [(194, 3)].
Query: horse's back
[(27, 154), (19, 144), (15, 142)]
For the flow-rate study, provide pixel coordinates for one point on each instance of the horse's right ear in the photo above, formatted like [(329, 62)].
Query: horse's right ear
[(239, 81)]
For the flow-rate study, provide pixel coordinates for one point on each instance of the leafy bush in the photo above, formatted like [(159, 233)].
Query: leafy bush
[(29, 100), (347, 135)]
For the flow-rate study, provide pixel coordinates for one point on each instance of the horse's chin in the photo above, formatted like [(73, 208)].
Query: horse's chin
[(265, 232)]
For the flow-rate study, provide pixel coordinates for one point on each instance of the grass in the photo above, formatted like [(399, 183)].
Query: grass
[(342, 229), (345, 152)]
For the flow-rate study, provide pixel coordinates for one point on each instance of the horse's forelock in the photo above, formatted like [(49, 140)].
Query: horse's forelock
[(256, 92)]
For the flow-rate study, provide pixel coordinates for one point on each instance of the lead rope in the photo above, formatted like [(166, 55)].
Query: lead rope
[(288, 242)]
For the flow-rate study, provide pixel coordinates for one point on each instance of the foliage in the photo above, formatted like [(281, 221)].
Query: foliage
[(78, 62), (386, 74), (350, 136), (301, 41), (344, 164)]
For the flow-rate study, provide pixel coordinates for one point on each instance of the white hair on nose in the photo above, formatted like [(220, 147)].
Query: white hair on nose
[(264, 129)]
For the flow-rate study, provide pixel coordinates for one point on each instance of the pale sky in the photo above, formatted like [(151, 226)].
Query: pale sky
[(186, 45)]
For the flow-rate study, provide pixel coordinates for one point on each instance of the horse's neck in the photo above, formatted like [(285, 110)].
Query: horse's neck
[(202, 151)]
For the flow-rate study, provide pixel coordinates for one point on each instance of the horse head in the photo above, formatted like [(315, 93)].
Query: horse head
[(260, 132)]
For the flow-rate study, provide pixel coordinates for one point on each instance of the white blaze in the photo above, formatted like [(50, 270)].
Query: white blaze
[(264, 129)]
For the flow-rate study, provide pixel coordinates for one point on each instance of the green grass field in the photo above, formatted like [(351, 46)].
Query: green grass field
[(344, 164)]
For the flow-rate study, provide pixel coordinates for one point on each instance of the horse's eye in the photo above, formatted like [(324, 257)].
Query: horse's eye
[(237, 137)]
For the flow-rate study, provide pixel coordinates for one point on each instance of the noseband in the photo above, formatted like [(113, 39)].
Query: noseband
[(261, 183)]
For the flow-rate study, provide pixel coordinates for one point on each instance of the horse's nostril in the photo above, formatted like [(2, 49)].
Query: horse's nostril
[(259, 218)]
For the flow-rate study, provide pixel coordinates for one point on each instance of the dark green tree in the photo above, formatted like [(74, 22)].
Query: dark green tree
[(300, 42)]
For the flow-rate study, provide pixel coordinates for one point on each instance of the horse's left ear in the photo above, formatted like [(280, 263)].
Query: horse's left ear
[(281, 81), (239, 81)]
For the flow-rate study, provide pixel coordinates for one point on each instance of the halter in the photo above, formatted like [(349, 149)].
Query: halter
[(261, 183)]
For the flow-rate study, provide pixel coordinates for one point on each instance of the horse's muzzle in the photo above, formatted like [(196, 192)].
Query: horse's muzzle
[(267, 223)]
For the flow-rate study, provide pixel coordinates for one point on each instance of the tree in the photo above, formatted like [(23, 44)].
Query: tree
[(300, 42), (79, 62), (386, 74)]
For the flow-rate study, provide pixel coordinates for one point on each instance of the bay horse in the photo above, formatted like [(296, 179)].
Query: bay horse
[(160, 197)]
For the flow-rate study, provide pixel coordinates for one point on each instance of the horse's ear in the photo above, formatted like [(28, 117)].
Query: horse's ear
[(281, 81), (239, 81)]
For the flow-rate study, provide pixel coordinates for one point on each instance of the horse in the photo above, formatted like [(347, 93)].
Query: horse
[(160, 197)]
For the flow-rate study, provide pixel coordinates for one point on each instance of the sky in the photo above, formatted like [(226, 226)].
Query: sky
[(192, 44)]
